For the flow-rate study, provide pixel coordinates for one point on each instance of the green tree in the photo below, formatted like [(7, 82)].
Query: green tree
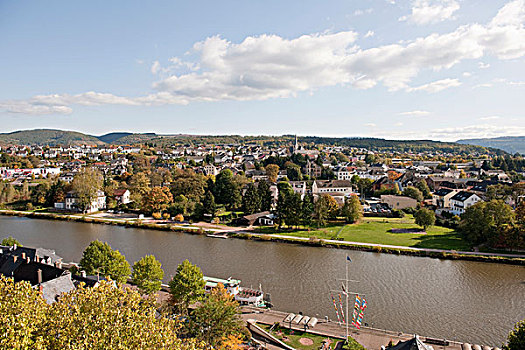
[(147, 274), (516, 338), (352, 209), (413, 192), (425, 190), (251, 202), (208, 204), (284, 191), (293, 209), (9, 242), (272, 171), (307, 210), (322, 209), (187, 286), (425, 218), (265, 194), (218, 317), (189, 184), (485, 221), (86, 184), (293, 172), (99, 258), (227, 190)]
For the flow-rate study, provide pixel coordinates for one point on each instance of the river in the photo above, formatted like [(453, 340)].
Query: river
[(459, 300)]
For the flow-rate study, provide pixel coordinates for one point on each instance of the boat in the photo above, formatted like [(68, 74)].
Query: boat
[(243, 295), (217, 235)]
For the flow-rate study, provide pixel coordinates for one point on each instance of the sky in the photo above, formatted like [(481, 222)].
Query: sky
[(417, 69)]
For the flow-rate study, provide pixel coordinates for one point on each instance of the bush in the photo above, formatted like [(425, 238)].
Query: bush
[(396, 213), (156, 215), (166, 216), (179, 218), (216, 221)]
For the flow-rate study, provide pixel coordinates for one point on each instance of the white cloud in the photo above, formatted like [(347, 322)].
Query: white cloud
[(269, 66), (476, 131), (360, 12), (483, 85), (517, 83), (437, 86), (491, 117), (431, 11), (416, 113), (483, 65), (369, 34), (370, 125), (466, 74)]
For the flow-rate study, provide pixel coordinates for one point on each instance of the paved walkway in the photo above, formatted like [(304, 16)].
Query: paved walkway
[(370, 338)]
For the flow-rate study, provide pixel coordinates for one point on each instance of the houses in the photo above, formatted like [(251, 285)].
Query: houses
[(398, 202), (338, 189), (462, 200), (122, 196), (312, 169), (441, 198), (72, 201), (264, 218)]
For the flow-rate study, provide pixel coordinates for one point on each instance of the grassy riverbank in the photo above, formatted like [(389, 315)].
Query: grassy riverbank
[(378, 231)]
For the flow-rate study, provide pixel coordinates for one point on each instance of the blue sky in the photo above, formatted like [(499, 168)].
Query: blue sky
[(434, 69)]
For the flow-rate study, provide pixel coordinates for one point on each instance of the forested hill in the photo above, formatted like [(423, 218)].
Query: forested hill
[(510, 144), (61, 137)]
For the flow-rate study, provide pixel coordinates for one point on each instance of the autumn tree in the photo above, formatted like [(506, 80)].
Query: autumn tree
[(147, 274), (105, 317), (425, 190), (139, 187), (323, 209), (425, 218), (99, 258), (22, 314), (86, 184), (272, 171), (352, 210), (187, 286), (218, 317), (158, 200), (516, 338)]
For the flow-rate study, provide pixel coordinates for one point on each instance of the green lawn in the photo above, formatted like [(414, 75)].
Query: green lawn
[(292, 339), (376, 230)]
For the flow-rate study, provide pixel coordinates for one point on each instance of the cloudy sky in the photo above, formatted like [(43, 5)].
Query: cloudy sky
[(438, 69)]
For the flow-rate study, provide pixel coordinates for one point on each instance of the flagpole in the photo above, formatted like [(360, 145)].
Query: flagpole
[(347, 314)]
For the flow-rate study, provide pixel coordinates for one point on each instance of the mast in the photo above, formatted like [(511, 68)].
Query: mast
[(346, 296)]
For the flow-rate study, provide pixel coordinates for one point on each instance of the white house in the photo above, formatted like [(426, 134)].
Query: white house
[(462, 200), (71, 204), (122, 196)]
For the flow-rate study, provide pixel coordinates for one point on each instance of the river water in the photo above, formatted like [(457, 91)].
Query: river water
[(458, 300)]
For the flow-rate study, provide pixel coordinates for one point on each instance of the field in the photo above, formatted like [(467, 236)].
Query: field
[(377, 230)]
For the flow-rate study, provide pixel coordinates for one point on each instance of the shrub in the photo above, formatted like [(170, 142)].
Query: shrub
[(166, 216), (216, 221), (156, 215), (179, 218)]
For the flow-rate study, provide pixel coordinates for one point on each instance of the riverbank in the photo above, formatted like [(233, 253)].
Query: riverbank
[(513, 259)]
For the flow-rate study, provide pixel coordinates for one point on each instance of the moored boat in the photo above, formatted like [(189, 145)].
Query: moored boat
[(245, 296)]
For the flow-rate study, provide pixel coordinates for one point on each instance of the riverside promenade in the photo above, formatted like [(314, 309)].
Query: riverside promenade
[(370, 338)]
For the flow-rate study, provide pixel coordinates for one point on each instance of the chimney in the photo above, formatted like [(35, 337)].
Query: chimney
[(39, 275)]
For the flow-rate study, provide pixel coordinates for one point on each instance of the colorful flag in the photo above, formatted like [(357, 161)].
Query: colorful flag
[(341, 306), (335, 307), (348, 258)]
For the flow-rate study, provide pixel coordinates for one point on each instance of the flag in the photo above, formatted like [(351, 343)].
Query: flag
[(348, 258)]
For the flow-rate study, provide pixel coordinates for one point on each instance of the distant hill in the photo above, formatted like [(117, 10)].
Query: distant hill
[(510, 144), (49, 137), (113, 136)]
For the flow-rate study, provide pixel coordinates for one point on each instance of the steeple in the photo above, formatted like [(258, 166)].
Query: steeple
[(296, 147)]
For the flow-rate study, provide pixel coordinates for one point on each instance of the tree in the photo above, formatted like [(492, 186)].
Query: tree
[(187, 286), (139, 187), (272, 171), (321, 209), (307, 210), (189, 184), (208, 204), (425, 218), (147, 274), (284, 190), (485, 221), (99, 258), (218, 317), (105, 317), (227, 190), (22, 313), (293, 209), (158, 199), (86, 184), (251, 202), (265, 194), (9, 242), (352, 209), (413, 192), (293, 172), (516, 338), (425, 190)]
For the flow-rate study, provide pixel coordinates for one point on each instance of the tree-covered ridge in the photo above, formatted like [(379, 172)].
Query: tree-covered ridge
[(510, 144), (50, 137)]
